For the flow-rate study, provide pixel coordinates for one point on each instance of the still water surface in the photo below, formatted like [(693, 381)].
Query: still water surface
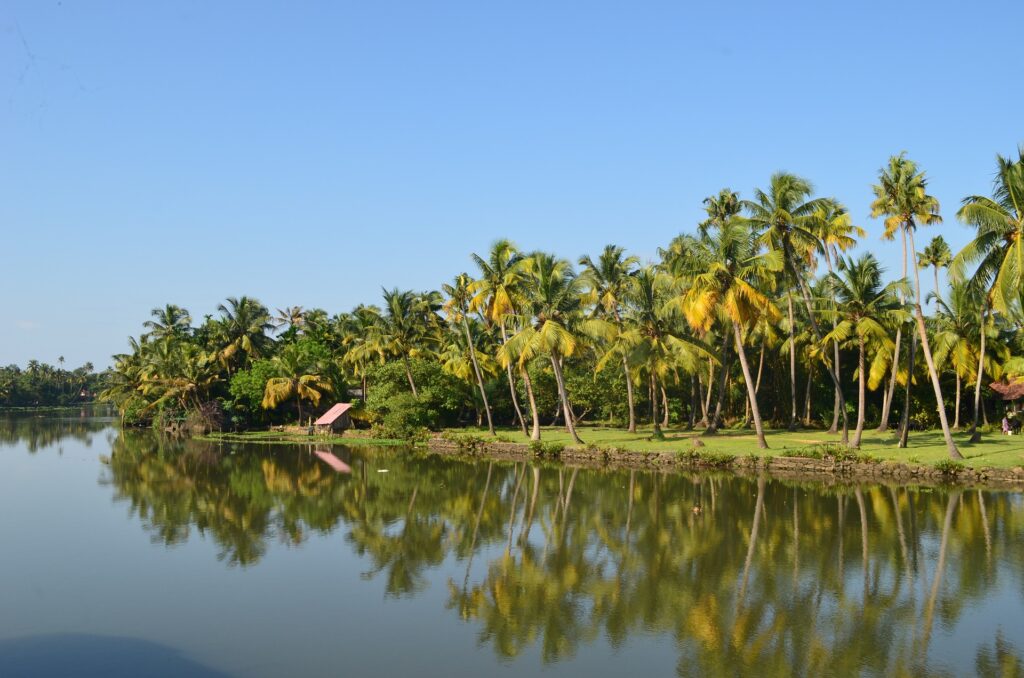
[(124, 549)]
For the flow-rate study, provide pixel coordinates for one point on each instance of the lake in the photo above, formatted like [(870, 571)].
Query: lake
[(123, 550)]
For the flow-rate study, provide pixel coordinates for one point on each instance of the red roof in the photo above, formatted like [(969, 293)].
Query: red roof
[(332, 414)]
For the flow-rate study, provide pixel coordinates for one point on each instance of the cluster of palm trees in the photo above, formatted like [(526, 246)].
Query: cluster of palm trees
[(41, 384), (682, 331)]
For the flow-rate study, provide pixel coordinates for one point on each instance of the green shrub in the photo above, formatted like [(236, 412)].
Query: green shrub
[(948, 467)]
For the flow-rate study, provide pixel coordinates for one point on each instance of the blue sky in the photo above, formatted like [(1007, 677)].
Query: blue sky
[(310, 153)]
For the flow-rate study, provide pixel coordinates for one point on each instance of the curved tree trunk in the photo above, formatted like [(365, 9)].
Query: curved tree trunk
[(956, 410), (664, 407), (570, 424), (654, 406), (408, 374), (716, 418), (751, 389), (890, 392), (975, 433), (479, 376), (834, 428), (630, 400), (512, 383), (940, 404)]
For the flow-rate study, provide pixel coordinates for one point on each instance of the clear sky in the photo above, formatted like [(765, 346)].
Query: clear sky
[(309, 153)]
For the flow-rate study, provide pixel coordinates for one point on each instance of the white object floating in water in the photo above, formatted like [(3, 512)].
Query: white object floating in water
[(382, 470)]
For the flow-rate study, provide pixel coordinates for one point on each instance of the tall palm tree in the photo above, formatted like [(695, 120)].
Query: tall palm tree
[(865, 309), (289, 317), (554, 313), (997, 249), (355, 333), (457, 308), (783, 214), (494, 294), (957, 340), (608, 281), (836, 233), (296, 378), (935, 255), (405, 326), (729, 285), (901, 197)]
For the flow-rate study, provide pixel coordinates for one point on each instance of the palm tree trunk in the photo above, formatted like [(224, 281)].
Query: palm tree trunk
[(835, 398), (570, 424), (664, 407), (905, 418), (654, 405), (705, 403), (890, 392), (408, 374), (757, 382), (751, 388), (861, 392), (975, 433), (807, 395), (512, 383), (940, 404), (792, 362), (817, 335), (534, 415), (630, 402), (716, 418), (956, 413), (479, 376)]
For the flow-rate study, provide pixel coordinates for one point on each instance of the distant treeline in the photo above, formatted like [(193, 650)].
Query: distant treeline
[(44, 385)]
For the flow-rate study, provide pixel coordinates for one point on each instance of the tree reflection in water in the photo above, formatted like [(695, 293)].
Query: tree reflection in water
[(766, 576)]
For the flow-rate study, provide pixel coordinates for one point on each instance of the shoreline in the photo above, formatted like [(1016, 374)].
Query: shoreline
[(783, 467)]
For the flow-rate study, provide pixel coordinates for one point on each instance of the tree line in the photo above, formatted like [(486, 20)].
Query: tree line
[(40, 384), (759, 318)]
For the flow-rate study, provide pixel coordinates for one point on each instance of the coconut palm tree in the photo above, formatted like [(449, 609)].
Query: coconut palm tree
[(296, 378), (170, 323), (457, 309), (729, 285), (354, 332), (935, 255), (783, 215), (243, 329), (957, 339), (553, 314), (901, 197), (997, 249), (404, 328), (866, 309), (836, 233), (494, 294), (608, 281), (289, 317)]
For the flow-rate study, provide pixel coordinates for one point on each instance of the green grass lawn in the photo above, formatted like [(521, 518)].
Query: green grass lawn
[(925, 447)]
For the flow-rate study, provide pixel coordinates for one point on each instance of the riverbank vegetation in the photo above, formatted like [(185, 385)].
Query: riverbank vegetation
[(40, 384), (762, 318)]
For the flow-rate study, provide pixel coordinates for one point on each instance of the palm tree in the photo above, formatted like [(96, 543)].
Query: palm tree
[(355, 332), (494, 294), (865, 309), (936, 255), (998, 250), (553, 314), (457, 308), (608, 281), (404, 327), (289, 317), (243, 327), (957, 339), (296, 378), (784, 216), (170, 323), (729, 285), (901, 196), (836, 233)]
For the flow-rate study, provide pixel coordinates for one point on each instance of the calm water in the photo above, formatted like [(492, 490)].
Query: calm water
[(120, 550)]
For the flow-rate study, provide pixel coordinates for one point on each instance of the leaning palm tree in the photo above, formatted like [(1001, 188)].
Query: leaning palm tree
[(729, 285), (552, 320), (783, 214), (457, 309), (997, 249), (608, 281), (901, 197), (866, 309), (296, 378), (494, 295)]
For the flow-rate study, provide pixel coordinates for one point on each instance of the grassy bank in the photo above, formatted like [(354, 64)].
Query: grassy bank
[(277, 437), (925, 447)]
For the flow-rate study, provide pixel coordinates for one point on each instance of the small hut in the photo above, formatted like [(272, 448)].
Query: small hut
[(335, 419)]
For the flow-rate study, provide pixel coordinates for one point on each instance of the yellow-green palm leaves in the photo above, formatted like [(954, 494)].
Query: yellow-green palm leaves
[(296, 378)]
